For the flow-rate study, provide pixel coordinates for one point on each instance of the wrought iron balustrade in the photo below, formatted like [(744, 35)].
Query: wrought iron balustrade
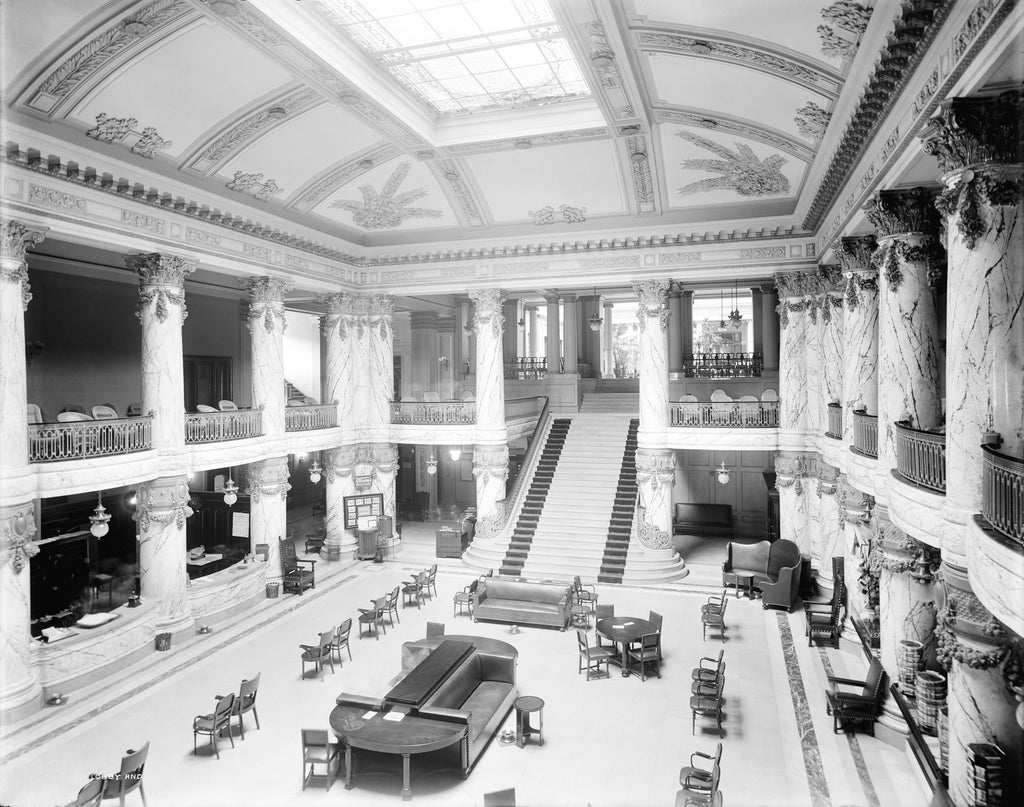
[(78, 439), (734, 415), (722, 365), (1002, 493), (526, 369), (215, 427), (308, 418), (865, 434), (835, 421), (439, 413), (921, 457)]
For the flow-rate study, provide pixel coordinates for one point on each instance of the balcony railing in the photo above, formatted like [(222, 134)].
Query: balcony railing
[(524, 407), (438, 413), (1002, 493), (835, 421), (921, 458), (308, 418), (735, 415), (52, 442), (215, 427), (526, 369), (722, 365), (865, 434)]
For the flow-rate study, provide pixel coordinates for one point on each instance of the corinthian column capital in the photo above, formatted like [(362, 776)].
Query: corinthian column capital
[(976, 131), (652, 296), (161, 281), (902, 212)]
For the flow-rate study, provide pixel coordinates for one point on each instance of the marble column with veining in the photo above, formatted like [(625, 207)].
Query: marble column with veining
[(976, 649), (19, 689), (814, 421), (608, 339), (976, 141), (268, 508), (675, 334), (266, 322), (793, 348), (364, 383), (854, 513), (655, 462), (909, 352), (792, 484), (490, 456), (570, 348), (829, 526), (339, 543), (161, 511), (554, 341), (830, 339), (161, 310), (338, 373), (381, 366), (15, 295), (860, 330), (425, 352)]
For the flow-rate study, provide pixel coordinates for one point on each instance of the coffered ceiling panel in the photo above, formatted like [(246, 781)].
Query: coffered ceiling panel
[(577, 175), (38, 24), (736, 91), (399, 194), (184, 84), (294, 152)]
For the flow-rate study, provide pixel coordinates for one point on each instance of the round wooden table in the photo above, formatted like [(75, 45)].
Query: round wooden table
[(624, 630)]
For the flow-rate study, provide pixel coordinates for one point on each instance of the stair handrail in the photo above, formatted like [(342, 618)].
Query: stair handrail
[(530, 459)]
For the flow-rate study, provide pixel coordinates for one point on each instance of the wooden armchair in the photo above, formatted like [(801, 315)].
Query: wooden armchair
[(294, 576), (699, 777), (825, 619), (129, 778), (849, 708)]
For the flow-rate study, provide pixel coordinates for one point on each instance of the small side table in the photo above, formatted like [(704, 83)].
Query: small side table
[(748, 582), (99, 581), (524, 706)]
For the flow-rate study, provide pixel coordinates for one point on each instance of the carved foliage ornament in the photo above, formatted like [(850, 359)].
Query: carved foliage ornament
[(848, 16), (490, 462), (741, 171), (970, 191), (254, 184), (109, 129), (904, 211), (266, 302), (653, 298), (487, 311), (968, 132), (15, 238), (812, 120), (387, 209), (16, 533), (161, 280), (163, 501), (657, 469), (269, 478)]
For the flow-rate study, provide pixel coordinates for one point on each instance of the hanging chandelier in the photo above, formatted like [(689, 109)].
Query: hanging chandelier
[(100, 519), (735, 317), (315, 471), (230, 492), (432, 464), (594, 320)]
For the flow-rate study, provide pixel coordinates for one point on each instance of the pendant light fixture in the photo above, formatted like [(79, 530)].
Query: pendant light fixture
[(100, 519), (594, 320), (455, 452), (230, 491), (315, 470), (721, 312), (735, 317)]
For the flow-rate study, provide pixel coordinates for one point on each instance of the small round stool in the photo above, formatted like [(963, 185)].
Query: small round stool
[(524, 706)]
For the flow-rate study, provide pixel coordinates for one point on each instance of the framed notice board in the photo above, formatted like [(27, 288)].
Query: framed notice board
[(372, 504)]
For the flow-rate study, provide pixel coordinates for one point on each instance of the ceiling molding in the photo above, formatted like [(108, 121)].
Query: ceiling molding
[(453, 179), (741, 127), (340, 174)]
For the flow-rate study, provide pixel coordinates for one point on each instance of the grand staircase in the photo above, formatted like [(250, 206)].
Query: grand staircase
[(613, 395), (616, 546)]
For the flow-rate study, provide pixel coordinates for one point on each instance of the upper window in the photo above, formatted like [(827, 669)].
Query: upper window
[(463, 56)]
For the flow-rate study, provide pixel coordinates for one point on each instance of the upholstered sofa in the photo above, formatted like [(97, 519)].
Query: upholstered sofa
[(776, 568), (522, 602), (480, 694)]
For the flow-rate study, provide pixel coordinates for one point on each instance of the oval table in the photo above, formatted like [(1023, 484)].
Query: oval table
[(624, 630)]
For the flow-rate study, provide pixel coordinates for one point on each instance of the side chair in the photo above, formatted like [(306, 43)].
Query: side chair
[(246, 702), (213, 724), (90, 795), (464, 598), (129, 778), (341, 636), (714, 618), (411, 589), (317, 749), (603, 612), (373, 618), (391, 608), (700, 777), (707, 706), (648, 652), (592, 657), (432, 581), (317, 654)]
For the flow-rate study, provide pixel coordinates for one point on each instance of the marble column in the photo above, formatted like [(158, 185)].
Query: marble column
[(854, 513), (791, 474), (446, 366), (161, 509), (793, 378), (424, 352), (19, 689), (909, 356), (268, 508), (589, 340), (569, 346), (757, 321), (770, 325), (608, 341), (830, 529), (532, 347), (15, 239), (686, 324), (655, 462), (860, 330), (161, 310), (339, 385), (813, 397), (554, 343), (906, 606), (510, 336), (977, 145), (266, 326), (381, 366), (974, 647), (675, 334), (339, 462), (830, 339), (490, 457), (461, 338)]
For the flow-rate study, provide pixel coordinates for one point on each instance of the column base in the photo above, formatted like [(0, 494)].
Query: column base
[(178, 625), (891, 728), (21, 703)]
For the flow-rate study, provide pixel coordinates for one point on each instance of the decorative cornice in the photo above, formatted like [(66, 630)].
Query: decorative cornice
[(903, 211), (652, 296), (17, 529), (161, 279), (914, 29)]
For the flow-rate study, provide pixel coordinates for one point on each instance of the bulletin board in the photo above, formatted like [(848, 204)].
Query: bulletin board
[(372, 504)]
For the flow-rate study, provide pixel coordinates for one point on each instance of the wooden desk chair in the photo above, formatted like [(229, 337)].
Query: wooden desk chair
[(317, 654), (246, 702), (603, 612), (341, 637), (317, 749), (711, 671), (464, 598), (701, 778), (294, 576), (412, 589), (431, 589), (213, 724), (698, 797), (591, 658), (373, 618), (129, 778), (648, 652), (709, 705), (714, 618), (392, 607)]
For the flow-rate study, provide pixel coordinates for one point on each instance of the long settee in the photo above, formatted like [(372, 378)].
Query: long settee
[(522, 602), (776, 568)]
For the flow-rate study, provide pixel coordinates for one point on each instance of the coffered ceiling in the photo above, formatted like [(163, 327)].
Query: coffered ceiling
[(406, 124)]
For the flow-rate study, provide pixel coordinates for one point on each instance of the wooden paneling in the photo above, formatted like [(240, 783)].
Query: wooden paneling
[(745, 491)]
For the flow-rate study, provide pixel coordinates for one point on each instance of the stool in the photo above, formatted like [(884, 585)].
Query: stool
[(580, 616), (524, 706), (98, 581)]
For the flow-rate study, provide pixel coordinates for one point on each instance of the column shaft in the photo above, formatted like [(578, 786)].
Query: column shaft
[(554, 343), (266, 325), (340, 544), (675, 335), (380, 335), (268, 509), (19, 689), (533, 348), (424, 352), (161, 512), (608, 341), (860, 330), (570, 350), (770, 327), (793, 375), (686, 324)]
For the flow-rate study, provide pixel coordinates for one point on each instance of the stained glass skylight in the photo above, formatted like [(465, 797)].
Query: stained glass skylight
[(462, 56)]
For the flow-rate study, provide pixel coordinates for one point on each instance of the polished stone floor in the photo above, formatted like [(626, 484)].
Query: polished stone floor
[(612, 742)]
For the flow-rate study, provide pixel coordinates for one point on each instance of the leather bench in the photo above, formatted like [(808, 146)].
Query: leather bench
[(703, 520), (522, 602)]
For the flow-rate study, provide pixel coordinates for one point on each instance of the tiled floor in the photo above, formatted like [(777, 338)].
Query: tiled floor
[(608, 743)]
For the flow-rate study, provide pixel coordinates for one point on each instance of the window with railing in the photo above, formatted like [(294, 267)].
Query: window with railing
[(439, 413), (865, 434), (1002, 493), (307, 418), (921, 457), (214, 427), (734, 414), (526, 369), (835, 421), (722, 365), (78, 439)]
